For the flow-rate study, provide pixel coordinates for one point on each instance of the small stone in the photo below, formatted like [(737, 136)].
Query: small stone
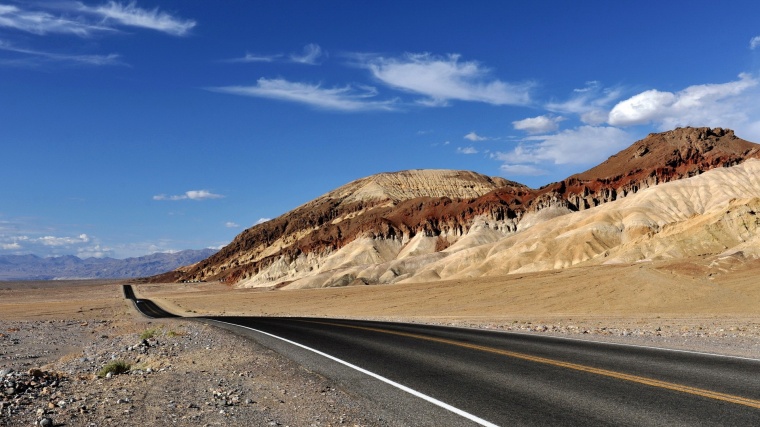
[(109, 375), (46, 422), (61, 403), (5, 372)]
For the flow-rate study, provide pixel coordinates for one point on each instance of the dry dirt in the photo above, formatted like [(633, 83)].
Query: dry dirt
[(681, 304), (189, 373), (56, 337)]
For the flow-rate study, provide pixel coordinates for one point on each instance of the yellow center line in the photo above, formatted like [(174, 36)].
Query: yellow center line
[(568, 365)]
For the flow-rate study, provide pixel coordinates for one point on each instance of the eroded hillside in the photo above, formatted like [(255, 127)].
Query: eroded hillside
[(432, 224)]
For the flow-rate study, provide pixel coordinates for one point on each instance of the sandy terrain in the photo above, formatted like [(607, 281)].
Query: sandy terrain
[(71, 330), (688, 305)]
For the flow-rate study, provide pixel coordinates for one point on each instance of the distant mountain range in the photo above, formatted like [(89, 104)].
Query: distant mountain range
[(682, 193), (32, 267)]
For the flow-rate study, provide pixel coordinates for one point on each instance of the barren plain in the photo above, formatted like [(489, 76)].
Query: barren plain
[(70, 330)]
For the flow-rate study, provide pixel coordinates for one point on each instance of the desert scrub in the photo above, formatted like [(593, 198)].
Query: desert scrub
[(115, 368), (174, 333), (149, 333)]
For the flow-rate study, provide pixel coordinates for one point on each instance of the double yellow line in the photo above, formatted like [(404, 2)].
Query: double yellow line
[(574, 366)]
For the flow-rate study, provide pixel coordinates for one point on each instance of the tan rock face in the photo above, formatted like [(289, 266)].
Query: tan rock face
[(430, 224)]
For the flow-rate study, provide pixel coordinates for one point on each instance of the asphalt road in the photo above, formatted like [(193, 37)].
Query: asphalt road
[(495, 378), (145, 306)]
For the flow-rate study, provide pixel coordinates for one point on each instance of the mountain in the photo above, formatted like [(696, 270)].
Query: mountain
[(32, 267), (432, 224)]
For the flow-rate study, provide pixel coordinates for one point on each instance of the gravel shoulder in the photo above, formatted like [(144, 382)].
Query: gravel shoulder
[(181, 373)]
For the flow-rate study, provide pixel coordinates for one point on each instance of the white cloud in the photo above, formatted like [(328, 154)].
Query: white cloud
[(723, 105), (344, 98), (474, 137), (591, 103), (522, 170), (467, 150), (310, 56), (82, 20), (133, 16), (10, 246), (254, 58), (595, 144), (190, 195), (37, 56), (442, 79), (62, 241), (230, 224), (41, 22), (754, 43), (262, 220), (95, 251), (202, 195), (540, 124)]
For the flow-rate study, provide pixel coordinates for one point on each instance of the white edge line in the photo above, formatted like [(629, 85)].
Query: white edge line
[(413, 392)]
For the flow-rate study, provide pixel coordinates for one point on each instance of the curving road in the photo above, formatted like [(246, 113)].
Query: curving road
[(475, 377)]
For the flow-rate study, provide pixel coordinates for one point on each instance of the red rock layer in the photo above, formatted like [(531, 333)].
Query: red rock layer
[(328, 224)]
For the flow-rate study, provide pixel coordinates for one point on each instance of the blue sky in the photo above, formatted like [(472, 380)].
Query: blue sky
[(128, 128)]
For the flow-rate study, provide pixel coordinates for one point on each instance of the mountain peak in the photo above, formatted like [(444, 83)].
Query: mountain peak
[(414, 183), (400, 219), (681, 149)]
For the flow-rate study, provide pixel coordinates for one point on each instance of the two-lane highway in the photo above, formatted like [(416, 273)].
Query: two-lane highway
[(145, 306), (494, 378)]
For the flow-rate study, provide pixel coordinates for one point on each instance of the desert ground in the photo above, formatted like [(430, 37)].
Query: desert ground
[(69, 331), (694, 304)]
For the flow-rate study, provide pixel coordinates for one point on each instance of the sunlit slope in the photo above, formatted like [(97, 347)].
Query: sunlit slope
[(710, 214)]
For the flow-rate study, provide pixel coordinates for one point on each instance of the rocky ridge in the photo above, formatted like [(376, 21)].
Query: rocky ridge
[(401, 222)]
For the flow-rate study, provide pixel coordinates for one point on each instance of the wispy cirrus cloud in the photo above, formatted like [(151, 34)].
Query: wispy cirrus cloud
[(591, 103), (562, 148), (311, 55), (45, 19), (230, 224), (82, 20), (34, 57), (41, 22), (131, 15), (346, 98), (249, 57), (444, 79), (190, 195)]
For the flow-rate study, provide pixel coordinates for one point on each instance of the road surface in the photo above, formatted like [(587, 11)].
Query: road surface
[(452, 376)]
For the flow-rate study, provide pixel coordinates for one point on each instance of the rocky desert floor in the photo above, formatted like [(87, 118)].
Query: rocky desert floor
[(56, 338)]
